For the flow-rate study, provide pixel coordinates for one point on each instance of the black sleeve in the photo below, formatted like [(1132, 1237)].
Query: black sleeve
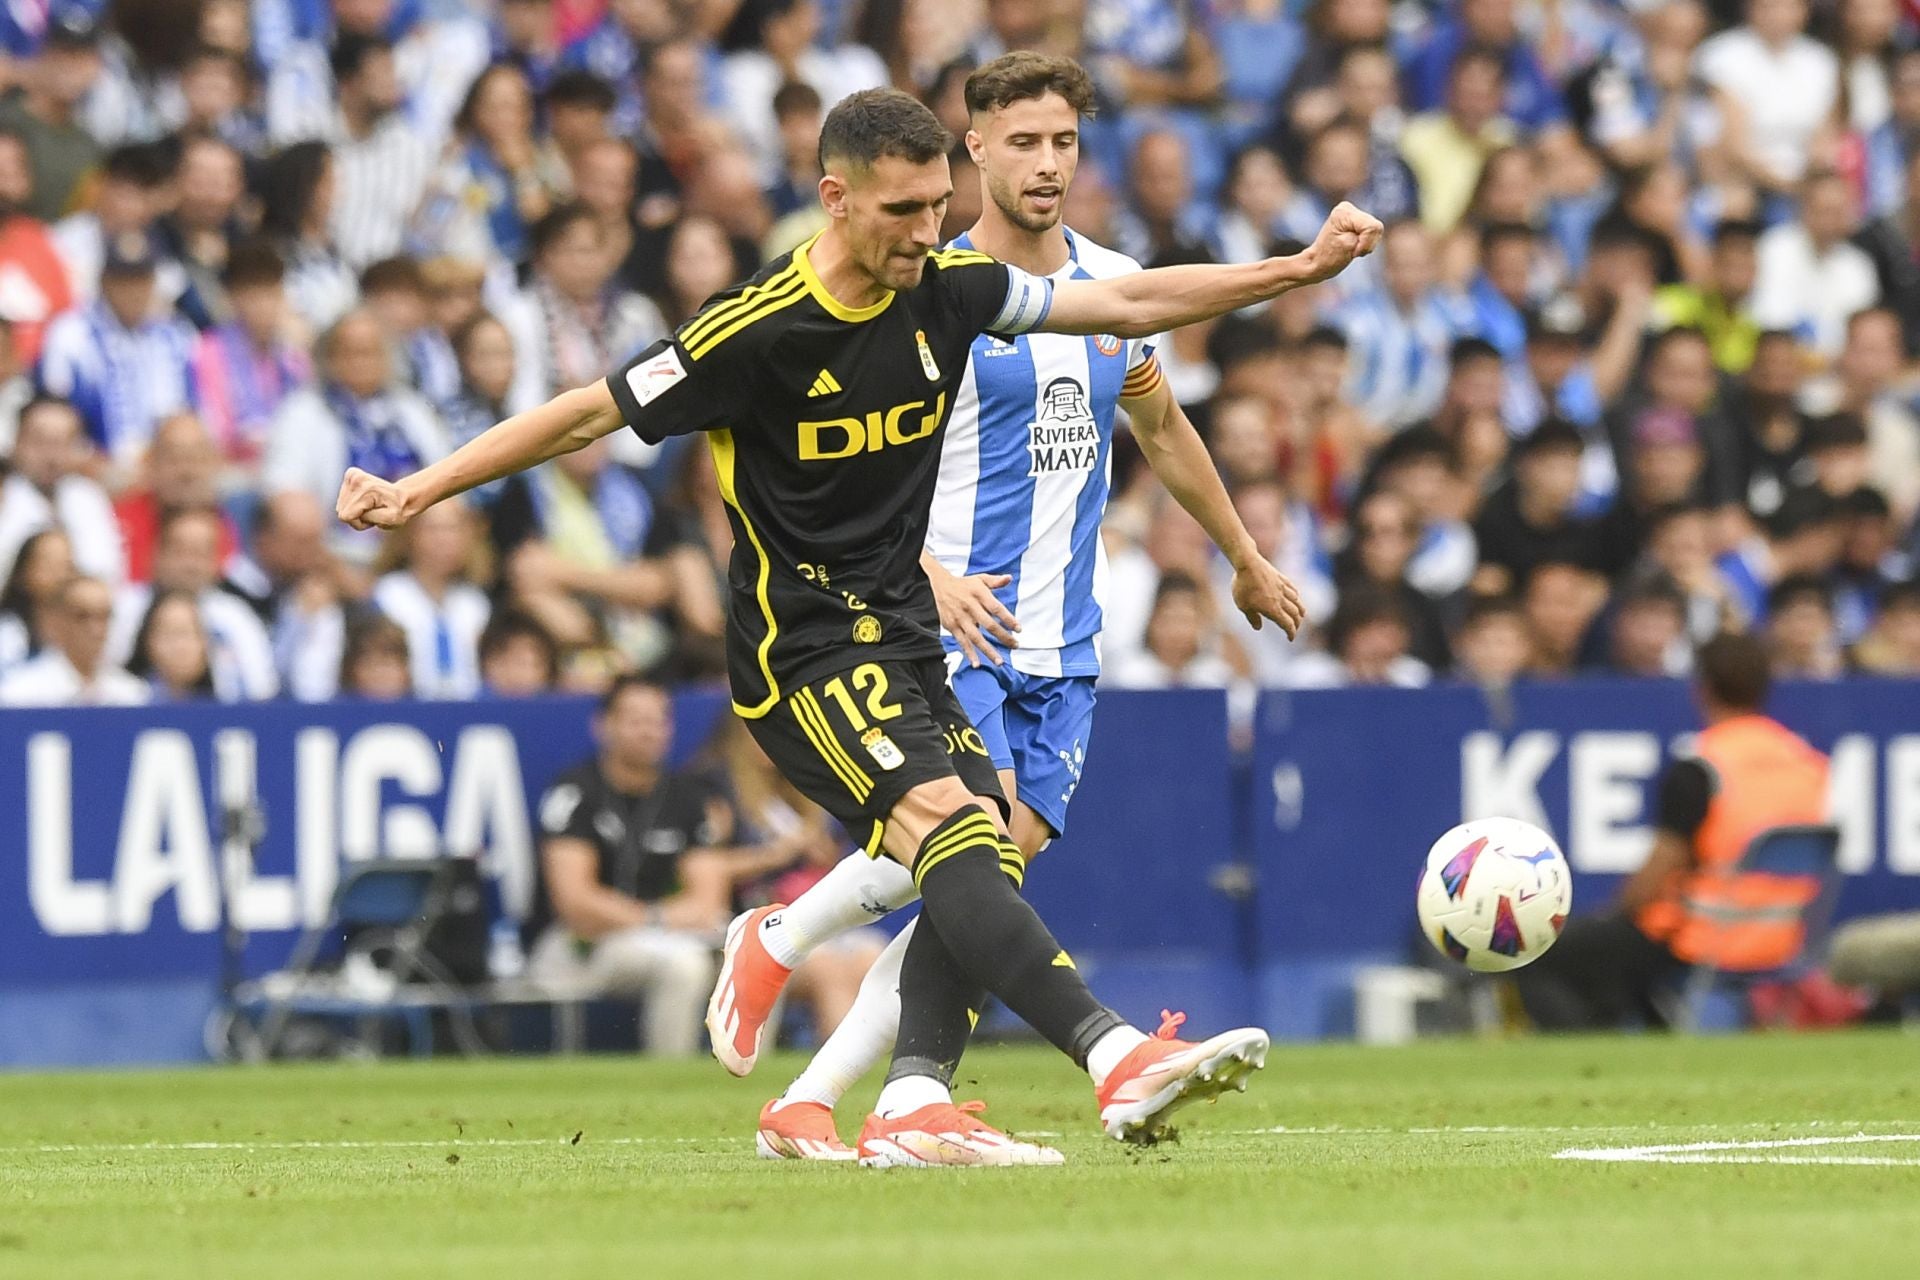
[(1686, 789), (993, 297), (564, 810), (664, 391)]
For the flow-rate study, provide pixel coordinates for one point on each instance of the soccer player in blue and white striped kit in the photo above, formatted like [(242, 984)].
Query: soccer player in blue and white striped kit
[(1015, 557)]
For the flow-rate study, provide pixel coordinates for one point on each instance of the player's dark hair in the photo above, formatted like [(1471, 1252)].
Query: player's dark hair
[(1732, 670), (1363, 605), (875, 123), (1022, 76), (140, 164), (625, 684)]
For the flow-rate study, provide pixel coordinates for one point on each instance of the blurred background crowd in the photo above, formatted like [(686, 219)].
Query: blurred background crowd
[(1635, 363)]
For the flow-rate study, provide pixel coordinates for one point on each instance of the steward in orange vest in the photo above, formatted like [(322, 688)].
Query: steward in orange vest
[(1748, 773)]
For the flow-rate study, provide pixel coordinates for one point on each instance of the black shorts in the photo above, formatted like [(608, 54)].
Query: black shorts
[(856, 741)]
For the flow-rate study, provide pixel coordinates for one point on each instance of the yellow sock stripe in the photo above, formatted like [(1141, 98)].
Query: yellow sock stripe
[(815, 726), (965, 831), (872, 848), (966, 835), (826, 729), (703, 325), (974, 833), (752, 317), (1013, 862), (721, 445)]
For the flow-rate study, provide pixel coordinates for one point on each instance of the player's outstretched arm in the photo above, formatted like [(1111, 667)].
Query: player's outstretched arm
[(1178, 456), (571, 420), (1149, 302)]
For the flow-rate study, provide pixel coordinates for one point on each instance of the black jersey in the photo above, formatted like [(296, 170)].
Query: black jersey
[(825, 424)]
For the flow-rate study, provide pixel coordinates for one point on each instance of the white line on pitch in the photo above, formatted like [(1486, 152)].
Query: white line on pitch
[(349, 1145), (1745, 1152)]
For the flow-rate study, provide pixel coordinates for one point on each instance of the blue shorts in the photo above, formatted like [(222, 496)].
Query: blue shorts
[(1037, 726)]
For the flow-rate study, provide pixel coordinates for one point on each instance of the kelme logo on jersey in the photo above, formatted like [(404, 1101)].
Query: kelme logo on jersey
[(1064, 437), (866, 629), (849, 437)]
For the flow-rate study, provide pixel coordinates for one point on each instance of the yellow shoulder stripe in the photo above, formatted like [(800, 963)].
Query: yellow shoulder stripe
[(754, 315), (960, 257), (706, 325)]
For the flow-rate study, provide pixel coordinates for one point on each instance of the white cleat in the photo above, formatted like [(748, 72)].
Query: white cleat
[(941, 1135), (1142, 1093)]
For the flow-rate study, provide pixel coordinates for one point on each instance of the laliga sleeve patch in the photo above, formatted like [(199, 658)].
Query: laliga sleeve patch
[(556, 810), (649, 379)]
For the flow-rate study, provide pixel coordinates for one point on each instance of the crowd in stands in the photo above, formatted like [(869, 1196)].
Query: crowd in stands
[(1635, 363)]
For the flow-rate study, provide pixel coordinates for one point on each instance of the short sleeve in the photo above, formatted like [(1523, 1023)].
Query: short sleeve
[(997, 298), (1685, 792), (664, 392), (563, 811)]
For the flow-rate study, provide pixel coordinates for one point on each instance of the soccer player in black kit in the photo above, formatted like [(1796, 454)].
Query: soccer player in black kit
[(823, 385)]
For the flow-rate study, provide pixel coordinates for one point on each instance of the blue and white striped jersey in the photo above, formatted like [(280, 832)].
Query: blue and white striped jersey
[(1025, 470)]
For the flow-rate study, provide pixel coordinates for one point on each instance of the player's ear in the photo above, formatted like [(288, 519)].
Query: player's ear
[(833, 195), (976, 146)]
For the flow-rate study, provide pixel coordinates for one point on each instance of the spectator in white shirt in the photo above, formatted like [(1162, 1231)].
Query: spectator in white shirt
[(1182, 643), (382, 163), (296, 210), (122, 360), (1369, 637), (27, 602), (436, 59), (1283, 529), (355, 417), (1783, 86), (187, 558), (48, 489), (770, 42), (74, 671), (294, 586), (574, 321), (433, 597), (171, 650), (1811, 278), (130, 194)]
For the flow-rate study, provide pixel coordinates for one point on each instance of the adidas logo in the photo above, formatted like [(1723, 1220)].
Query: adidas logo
[(824, 385)]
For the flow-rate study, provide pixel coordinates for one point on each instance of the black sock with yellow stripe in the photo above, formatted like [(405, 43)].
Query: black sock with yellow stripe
[(937, 1009), (967, 889)]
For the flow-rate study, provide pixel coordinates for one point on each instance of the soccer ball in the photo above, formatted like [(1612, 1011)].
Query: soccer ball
[(1494, 894)]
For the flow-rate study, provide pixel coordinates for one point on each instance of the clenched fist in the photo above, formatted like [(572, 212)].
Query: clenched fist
[(1348, 233), (368, 502)]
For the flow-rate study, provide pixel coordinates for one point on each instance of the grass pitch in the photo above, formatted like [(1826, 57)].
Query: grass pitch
[(1433, 1161)]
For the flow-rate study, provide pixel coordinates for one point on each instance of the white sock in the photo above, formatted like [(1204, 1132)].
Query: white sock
[(1109, 1049), (858, 890), (910, 1093), (863, 1036)]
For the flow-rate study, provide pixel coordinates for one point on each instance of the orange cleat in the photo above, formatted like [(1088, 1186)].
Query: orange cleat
[(1164, 1074), (943, 1134), (799, 1131), (743, 997)]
